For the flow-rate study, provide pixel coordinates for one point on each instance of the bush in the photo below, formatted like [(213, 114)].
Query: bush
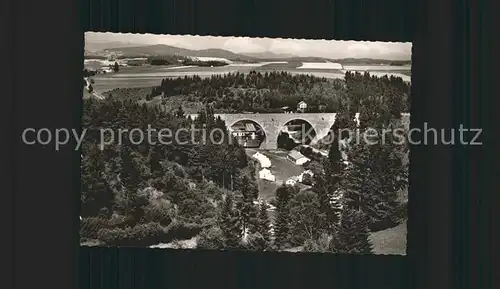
[(320, 245), (211, 238), (398, 215), (162, 213), (89, 227), (307, 179), (402, 212), (182, 230), (256, 242), (140, 235), (121, 221)]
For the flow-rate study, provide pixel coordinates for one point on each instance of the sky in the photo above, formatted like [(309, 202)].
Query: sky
[(298, 47)]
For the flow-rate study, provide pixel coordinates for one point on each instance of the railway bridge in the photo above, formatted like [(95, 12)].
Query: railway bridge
[(273, 123)]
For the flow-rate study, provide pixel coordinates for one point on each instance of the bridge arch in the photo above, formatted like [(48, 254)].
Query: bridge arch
[(307, 131), (233, 122), (248, 139), (272, 123)]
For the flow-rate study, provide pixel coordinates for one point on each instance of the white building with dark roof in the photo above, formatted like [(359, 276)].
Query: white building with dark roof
[(302, 106), (297, 158)]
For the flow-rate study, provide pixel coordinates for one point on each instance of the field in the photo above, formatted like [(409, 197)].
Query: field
[(149, 76), (320, 65), (391, 241)]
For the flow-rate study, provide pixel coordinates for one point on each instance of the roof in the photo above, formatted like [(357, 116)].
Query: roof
[(238, 126), (265, 171), (250, 127), (295, 155), (302, 102)]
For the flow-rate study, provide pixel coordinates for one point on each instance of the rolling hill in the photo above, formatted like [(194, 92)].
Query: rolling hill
[(371, 61), (165, 50), (269, 55)]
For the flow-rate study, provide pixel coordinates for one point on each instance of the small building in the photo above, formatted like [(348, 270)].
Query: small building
[(246, 135), (290, 182), (303, 174), (266, 174), (106, 70), (302, 106), (286, 109), (297, 158), (262, 159)]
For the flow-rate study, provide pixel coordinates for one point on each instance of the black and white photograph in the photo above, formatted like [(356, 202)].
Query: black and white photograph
[(239, 143)]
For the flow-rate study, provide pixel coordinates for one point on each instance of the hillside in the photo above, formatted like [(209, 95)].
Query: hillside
[(269, 55), (371, 61), (164, 50), (95, 46)]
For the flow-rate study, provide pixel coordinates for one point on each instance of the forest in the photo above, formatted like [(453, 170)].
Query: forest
[(142, 195), (268, 92), (186, 61)]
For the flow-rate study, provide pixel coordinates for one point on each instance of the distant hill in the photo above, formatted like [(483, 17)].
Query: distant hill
[(269, 55), (370, 61), (165, 50), (95, 46)]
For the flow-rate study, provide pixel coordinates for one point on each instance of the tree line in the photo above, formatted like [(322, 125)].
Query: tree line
[(270, 91)]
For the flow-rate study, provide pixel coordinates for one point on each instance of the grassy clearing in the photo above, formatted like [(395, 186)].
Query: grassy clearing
[(391, 241)]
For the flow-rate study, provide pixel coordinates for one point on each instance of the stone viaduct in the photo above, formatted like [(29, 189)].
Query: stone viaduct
[(273, 123)]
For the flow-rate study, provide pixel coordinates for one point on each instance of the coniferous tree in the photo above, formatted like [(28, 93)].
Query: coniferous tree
[(352, 235), (306, 220), (245, 204), (264, 223), (96, 192), (229, 222), (130, 174), (130, 201), (256, 242), (180, 112), (156, 157), (327, 186), (284, 194), (374, 179)]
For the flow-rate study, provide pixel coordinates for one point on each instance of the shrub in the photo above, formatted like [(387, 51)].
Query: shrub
[(398, 215), (162, 213), (121, 221), (307, 179), (182, 230), (321, 245), (211, 238), (114, 236), (89, 227), (140, 235), (256, 242)]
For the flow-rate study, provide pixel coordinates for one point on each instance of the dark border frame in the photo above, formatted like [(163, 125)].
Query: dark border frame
[(40, 202)]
